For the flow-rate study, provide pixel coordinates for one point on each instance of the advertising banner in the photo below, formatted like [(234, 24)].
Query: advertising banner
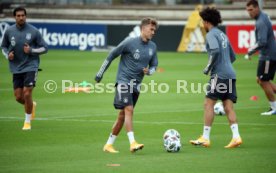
[(242, 37), (69, 35)]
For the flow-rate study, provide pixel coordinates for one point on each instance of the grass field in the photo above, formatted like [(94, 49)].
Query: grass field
[(71, 128)]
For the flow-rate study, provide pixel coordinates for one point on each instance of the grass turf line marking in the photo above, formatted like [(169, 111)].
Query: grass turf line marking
[(138, 122)]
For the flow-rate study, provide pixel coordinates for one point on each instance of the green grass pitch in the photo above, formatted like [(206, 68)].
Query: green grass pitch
[(71, 128)]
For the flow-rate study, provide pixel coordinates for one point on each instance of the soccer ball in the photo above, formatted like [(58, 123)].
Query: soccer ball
[(171, 140), (219, 109)]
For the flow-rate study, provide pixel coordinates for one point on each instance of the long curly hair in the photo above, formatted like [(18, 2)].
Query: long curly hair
[(211, 15)]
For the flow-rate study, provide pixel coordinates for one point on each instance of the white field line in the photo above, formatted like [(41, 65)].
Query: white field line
[(147, 112), (137, 122), (136, 113), (75, 119)]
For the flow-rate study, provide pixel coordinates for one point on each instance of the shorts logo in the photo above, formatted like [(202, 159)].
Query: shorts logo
[(13, 43), (28, 36), (125, 100), (136, 55)]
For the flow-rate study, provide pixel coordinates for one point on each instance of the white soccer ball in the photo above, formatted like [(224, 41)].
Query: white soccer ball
[(171, 140), (219, 109)]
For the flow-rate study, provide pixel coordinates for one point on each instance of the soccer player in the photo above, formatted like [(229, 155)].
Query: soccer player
[(138, 58), (222, 85), (266, 45), (22, 44)]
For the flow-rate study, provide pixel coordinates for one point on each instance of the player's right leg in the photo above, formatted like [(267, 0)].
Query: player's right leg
[(204, 140), (29, 84), (265, 73), (19, 97), (126, 98), (134, 146), (269, 92), (273, 86), (27, 92), (232, 118), (18, 85), (108, 147)]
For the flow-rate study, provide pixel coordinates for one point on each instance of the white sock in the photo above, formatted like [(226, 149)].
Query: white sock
[(206, 132), (130, 137), (235, 130), (111, 139), (273, 105), (28, 118)]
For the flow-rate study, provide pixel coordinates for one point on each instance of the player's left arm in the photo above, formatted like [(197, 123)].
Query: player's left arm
[(40, 45), (232, 54), (152, 65), (213, 53), (213, 56), (120, 49)]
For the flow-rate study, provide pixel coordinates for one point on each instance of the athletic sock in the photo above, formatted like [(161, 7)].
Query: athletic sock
[(130, 137), (235, 131), (111, 139), (273, 105), (28, 118), (206, 132)]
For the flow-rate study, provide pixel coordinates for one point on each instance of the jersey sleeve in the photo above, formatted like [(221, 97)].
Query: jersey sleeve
[(112, 55), (232, 54), (213, 56), (262, 30), (262, 34), (41, 46), (213, 53), (117, 50), (153, 63)]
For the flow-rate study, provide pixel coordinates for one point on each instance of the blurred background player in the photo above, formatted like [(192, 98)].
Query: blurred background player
[(22, 44), (221, 57), (138, 58), (265, 43)]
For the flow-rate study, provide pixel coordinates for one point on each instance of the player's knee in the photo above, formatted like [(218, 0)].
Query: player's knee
[(264, 84), (207, 106), (27, 94), (228, 109), (122, 113), (19, 98), (261, 83), (128, 109)]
